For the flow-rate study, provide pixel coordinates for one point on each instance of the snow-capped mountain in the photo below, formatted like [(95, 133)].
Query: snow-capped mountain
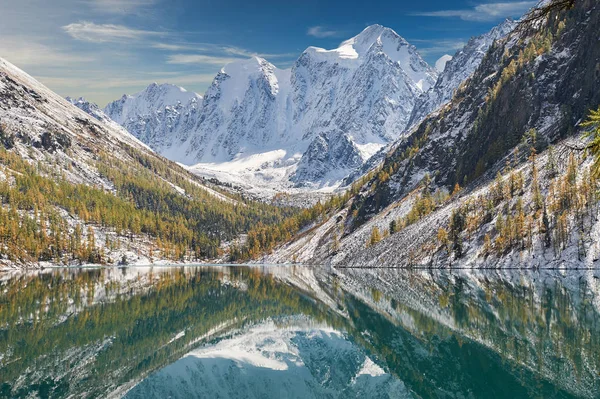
[(326, 153), (440, 64), (243, 113), (357, 97), (310, 125), (363, 91), (89, 108), (81, 149), (457, 70), (160, 115)]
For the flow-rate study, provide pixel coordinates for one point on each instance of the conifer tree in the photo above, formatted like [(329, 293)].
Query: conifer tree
[(536, 193), (551, 165), (593, 122), (456, 190), (393, 226), (335, 243), (375, 236), (457, 225), (426, 192), (442, 236)]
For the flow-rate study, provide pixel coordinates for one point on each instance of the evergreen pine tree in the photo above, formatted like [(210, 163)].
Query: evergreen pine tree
[(547, 231), (375, 236), (393, 226), (593, 122)]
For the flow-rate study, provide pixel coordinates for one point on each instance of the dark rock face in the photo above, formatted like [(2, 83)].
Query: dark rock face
[(7, 140), (51, 142), (471, 135), (457, 70), (325, 155)]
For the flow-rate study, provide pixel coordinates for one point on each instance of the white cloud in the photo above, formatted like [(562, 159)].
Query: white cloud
[(199, 59), (104, 33), (206, 47), (321, 32), (238, 51), (219, 49), (26, 51), (120, 6), (484, 12), (123, 82), (247, 53), (177, 47), (428, 47)]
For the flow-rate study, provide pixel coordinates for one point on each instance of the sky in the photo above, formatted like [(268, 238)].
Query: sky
[(102, 49)]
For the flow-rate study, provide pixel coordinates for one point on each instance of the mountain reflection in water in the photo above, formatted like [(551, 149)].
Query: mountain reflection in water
[(296, 332)]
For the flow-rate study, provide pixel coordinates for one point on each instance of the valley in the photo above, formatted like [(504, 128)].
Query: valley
[(263, 177), (342, 212), (304, 129)]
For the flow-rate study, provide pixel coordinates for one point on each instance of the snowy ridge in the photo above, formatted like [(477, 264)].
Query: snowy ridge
[(89, 108), (457, 69), (357, 98), (164, 108), (66, 136)]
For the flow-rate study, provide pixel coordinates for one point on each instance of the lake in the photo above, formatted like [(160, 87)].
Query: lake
[(299, 332)]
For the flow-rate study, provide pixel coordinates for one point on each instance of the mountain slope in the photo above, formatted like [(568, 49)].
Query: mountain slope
[(160, 115), (517, 209), (547, 81), (457, 70), (358, 97), (76, 190)]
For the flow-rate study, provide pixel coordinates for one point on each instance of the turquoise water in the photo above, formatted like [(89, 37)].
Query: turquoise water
[(297, 332)]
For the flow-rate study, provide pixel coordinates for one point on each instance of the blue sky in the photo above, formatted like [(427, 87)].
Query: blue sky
[(102, 49)]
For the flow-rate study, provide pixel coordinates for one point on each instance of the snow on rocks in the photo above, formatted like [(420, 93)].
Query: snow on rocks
[(356, 98)]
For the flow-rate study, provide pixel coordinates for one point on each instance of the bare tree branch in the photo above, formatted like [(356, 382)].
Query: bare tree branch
[(537, 15)]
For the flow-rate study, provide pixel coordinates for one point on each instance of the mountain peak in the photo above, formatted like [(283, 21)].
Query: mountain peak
[(440, 64), (373, 34), (359, 45), (167, 93), (379, 40), (74, 100), (165, 88), (156, 96), (247, 66), (89, 108), (504, 28)]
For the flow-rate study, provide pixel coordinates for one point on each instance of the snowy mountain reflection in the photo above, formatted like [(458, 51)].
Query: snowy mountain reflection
[(260, 332)]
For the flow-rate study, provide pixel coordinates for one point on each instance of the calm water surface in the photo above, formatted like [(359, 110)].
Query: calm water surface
[(296, 332)]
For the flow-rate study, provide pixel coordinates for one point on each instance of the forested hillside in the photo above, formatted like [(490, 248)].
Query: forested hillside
[(490, 174), (76, 190), (499, 176), (547, 78)]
